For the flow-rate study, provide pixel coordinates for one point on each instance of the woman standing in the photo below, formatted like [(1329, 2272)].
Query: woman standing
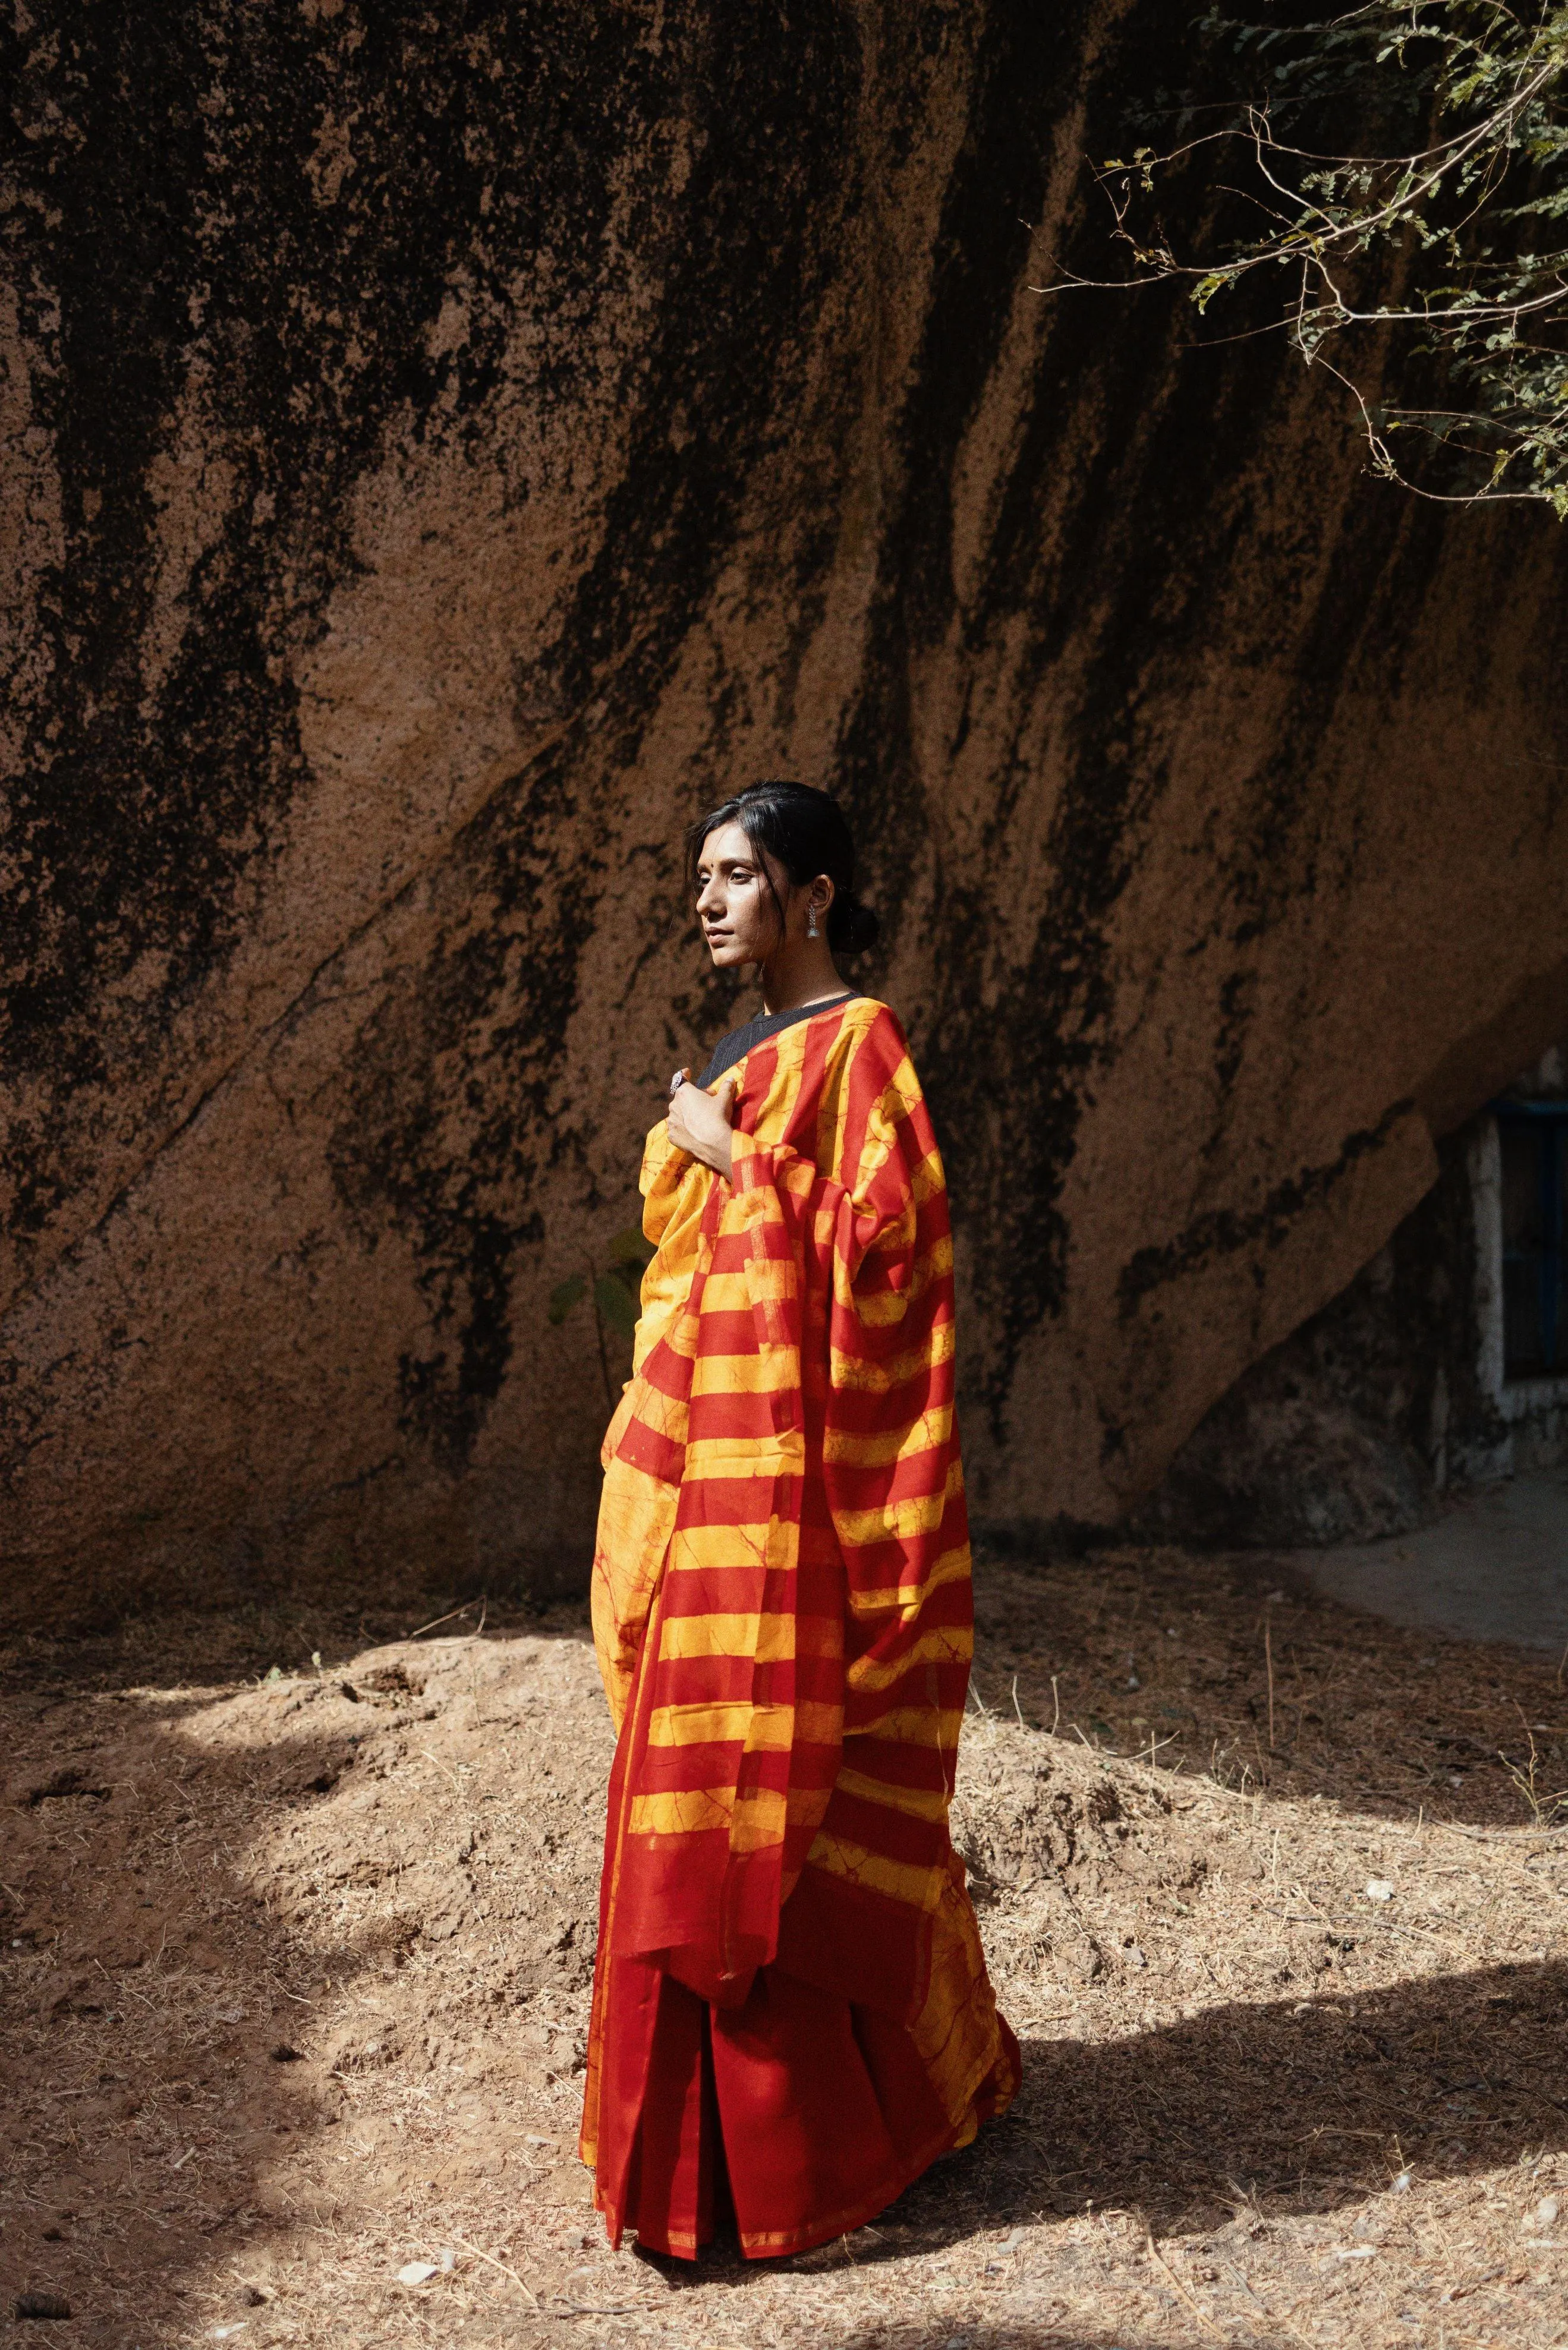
[(790, 2017)]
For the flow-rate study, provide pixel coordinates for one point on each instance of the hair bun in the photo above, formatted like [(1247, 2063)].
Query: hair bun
[(852, 927)]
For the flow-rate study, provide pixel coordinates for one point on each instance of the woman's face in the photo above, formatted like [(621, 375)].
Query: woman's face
[(738, 912)]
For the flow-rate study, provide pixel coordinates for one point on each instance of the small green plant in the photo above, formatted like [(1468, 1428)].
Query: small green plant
[(615, 1293), (1547, 1810)]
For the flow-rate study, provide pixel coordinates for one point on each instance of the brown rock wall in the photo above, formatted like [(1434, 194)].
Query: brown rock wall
[(443, 452)]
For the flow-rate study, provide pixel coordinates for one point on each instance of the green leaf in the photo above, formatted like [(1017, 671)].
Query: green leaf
[(630, 1248), (616, 1304), (565, 1295), (1449, 219)]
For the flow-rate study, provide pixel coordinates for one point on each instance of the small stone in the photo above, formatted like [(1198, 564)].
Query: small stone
[(417, 2273), (1545, 2214), (1378, 1888), (284, 2054)]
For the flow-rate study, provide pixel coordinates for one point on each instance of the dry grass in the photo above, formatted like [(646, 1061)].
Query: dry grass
[(1261, 2105)]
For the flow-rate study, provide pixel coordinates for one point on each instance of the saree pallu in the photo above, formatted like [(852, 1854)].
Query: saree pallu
[(791, 2006)]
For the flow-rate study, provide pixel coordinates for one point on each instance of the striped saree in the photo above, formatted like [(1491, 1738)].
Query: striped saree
[(791, 2015)]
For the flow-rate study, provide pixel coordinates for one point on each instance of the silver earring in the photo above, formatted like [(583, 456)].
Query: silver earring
[(811, 921)]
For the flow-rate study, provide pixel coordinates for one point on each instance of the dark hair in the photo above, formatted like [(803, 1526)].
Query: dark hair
[(805, 831)]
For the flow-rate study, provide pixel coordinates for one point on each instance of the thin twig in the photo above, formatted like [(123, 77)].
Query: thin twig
[(1269, 1660), (1316, 237), (593, 2309), (490, 2259), (1199, 2312), (600, 1333), (436, 1621)]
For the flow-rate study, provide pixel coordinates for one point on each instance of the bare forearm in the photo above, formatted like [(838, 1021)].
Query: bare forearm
[(721, 1160)]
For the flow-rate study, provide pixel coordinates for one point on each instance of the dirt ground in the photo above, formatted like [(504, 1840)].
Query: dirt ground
[(298, 1927)]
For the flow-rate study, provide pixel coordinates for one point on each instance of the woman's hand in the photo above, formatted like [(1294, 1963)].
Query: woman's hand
[(702, 1123)]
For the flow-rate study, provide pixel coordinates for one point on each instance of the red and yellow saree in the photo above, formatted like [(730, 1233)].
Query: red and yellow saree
[(791, 2007)]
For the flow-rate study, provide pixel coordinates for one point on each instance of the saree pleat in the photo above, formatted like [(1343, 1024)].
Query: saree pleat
[(790, 1996)]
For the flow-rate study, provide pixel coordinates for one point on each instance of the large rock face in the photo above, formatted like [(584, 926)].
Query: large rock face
[(443, 449)]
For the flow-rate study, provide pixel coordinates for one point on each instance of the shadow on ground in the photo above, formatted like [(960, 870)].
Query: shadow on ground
[(1269, 2111), (153, 1968), (1291, 2108)]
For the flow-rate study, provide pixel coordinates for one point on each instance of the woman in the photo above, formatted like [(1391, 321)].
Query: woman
[(791, 2015)]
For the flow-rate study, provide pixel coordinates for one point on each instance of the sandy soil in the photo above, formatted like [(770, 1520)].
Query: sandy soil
[(296, 1963)]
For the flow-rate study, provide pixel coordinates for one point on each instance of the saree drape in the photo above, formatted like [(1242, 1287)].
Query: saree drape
[(791, 2007)]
